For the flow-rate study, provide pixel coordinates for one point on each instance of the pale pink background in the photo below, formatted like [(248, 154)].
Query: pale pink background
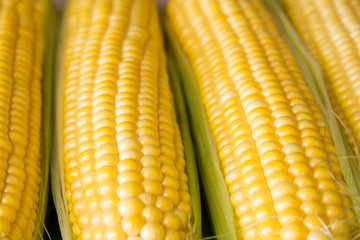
[(161, 3)]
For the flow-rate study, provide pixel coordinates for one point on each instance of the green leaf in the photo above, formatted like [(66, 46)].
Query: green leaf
[(191, 167), (57, 173), (47, 136)]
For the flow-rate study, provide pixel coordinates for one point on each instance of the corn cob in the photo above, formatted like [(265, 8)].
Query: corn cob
[(276, 156), (331, 32), (124, 172), (23, 156)]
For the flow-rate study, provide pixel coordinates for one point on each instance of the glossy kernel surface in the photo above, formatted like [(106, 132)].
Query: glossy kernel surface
[(123, 154), (22, 51), (274, 148)]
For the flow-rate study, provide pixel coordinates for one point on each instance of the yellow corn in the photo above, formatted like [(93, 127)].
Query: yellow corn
[(22, 43), (124, 167), (330, 30), (275, 153)]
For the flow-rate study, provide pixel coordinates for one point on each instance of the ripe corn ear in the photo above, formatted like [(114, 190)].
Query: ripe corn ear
[(26, 66), (275, 153), (120, 155)]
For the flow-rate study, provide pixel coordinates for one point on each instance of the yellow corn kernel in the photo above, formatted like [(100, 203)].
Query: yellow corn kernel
[(123, 156), (270, 135)]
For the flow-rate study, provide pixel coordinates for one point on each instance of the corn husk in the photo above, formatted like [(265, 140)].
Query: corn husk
[(191, 167), (57, 173), (47, 136)]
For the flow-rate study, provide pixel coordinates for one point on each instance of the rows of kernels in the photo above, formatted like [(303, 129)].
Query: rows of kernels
[(149, 138), (348, 18), (216, 119), (259, 196), (254, 115), (7, 24), (180, 195), (287, 100), (133, 148), (335, 73), (289, 138), (315, 141), (337, 51), (345, 16), (168, 157), (74, 114), (315, 113), (19, 112), (8, 21), (88, 198), (320, 120), (70, 135), (348, 15), (334, 69), (281, 186), (222, 134), (23, 228), (231, 166), (103, 115), (348, 52), (213, 102), (20, 167), (130, 81)]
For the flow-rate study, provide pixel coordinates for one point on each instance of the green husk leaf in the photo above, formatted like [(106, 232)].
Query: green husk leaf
[(191, 167), (215, 188), (47, 89), (57, 173), (312, 72)]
